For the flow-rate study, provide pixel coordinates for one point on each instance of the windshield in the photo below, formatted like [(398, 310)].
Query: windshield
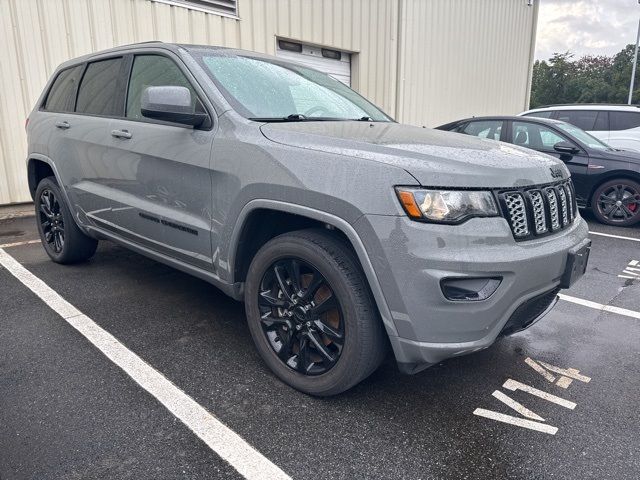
[(265, 89), (584, 137)]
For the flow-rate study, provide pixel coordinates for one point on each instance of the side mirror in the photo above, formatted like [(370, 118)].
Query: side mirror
[(566, 148), (171, 104)]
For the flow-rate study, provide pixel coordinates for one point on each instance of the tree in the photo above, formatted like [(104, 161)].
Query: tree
[(589, 79)]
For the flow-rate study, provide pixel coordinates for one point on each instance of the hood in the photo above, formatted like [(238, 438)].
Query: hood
[(435, 158), (619, 155)]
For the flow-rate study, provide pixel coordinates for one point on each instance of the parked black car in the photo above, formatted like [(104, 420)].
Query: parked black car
[(606, 180)]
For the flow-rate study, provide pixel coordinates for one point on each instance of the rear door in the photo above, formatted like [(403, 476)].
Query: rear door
[(84, 149), (52, 121), (543, 138), (159, 177)]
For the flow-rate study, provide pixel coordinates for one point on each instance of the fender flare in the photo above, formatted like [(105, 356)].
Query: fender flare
[(330, 219), (43, 158)]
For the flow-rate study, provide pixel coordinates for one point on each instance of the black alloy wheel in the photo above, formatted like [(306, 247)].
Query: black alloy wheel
[(311, 313), (51, 220), (301, 316), (618, 202), (61, 237)]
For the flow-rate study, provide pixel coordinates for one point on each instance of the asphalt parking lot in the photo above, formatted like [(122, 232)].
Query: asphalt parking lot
[(67, 411)]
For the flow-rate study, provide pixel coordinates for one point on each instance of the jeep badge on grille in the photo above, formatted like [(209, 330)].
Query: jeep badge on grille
[(556, 172)]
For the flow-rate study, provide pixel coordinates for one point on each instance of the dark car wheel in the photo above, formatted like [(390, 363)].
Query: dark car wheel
[(617, 202), (311, 314), (63, 241)]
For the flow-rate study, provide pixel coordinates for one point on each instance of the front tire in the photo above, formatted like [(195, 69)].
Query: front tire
[(617, 202), (311, 313), (61, 238)]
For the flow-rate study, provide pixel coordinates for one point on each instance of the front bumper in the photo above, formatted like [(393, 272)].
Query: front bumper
[(411, 258)]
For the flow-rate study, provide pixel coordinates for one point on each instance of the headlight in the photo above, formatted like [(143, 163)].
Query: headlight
[(446, 206)]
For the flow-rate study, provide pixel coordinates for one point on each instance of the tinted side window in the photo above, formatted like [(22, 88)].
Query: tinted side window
[(624, 120), (484, 129), (602, 122), (99, 90), (584, 119), (62, 95), (534, 136), (153, 71)]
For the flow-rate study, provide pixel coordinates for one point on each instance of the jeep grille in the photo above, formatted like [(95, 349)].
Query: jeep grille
[(539, 210)]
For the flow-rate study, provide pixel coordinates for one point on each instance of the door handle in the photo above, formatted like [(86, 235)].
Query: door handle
[(63, 125), (124, 134)]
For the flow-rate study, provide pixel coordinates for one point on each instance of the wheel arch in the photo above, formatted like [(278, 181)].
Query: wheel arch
[(244, 242), (38, 167)]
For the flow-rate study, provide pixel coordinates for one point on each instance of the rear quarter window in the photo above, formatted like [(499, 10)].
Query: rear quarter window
[(624, 120), (62, 94)]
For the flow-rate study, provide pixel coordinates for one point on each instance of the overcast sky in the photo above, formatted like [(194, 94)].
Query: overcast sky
[(595, 27)]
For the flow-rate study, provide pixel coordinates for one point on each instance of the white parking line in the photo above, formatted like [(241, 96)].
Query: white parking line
[(615, 236), (519, 422), (538, 368), (514, 385), (17, 244), (566, 372), (600, 306), (631, 271), (518, 407), (221, 439)]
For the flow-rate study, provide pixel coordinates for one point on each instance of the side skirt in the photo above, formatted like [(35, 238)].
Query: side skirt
[(234, 290)]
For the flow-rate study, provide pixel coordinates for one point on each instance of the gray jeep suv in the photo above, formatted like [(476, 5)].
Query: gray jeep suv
[(342, 230)]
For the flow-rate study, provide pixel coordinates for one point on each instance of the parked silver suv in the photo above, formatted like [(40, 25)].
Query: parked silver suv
[(341, 230)]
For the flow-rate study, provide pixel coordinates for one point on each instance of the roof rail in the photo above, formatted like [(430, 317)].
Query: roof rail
[(587, 104)]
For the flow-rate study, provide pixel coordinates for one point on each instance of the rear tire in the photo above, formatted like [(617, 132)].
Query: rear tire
[(617, 202), (321, 340), (61, 238)]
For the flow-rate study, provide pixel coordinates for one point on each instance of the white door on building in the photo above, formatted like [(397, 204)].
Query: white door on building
[(328, 60)]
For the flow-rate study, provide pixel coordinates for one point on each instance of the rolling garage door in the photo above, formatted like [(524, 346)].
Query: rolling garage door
[(332, 62)]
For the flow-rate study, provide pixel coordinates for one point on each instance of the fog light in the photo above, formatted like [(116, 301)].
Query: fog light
[(469, 289)]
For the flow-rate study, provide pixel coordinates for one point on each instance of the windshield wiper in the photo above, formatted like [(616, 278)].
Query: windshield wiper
[(294, 117), (368, 119), (298, 117)]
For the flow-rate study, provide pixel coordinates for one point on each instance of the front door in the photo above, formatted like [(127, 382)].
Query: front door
[(160, 173), (542, 138)]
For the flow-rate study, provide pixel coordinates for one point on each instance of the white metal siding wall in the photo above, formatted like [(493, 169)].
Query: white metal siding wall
[(460, 58), (449, 51)]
